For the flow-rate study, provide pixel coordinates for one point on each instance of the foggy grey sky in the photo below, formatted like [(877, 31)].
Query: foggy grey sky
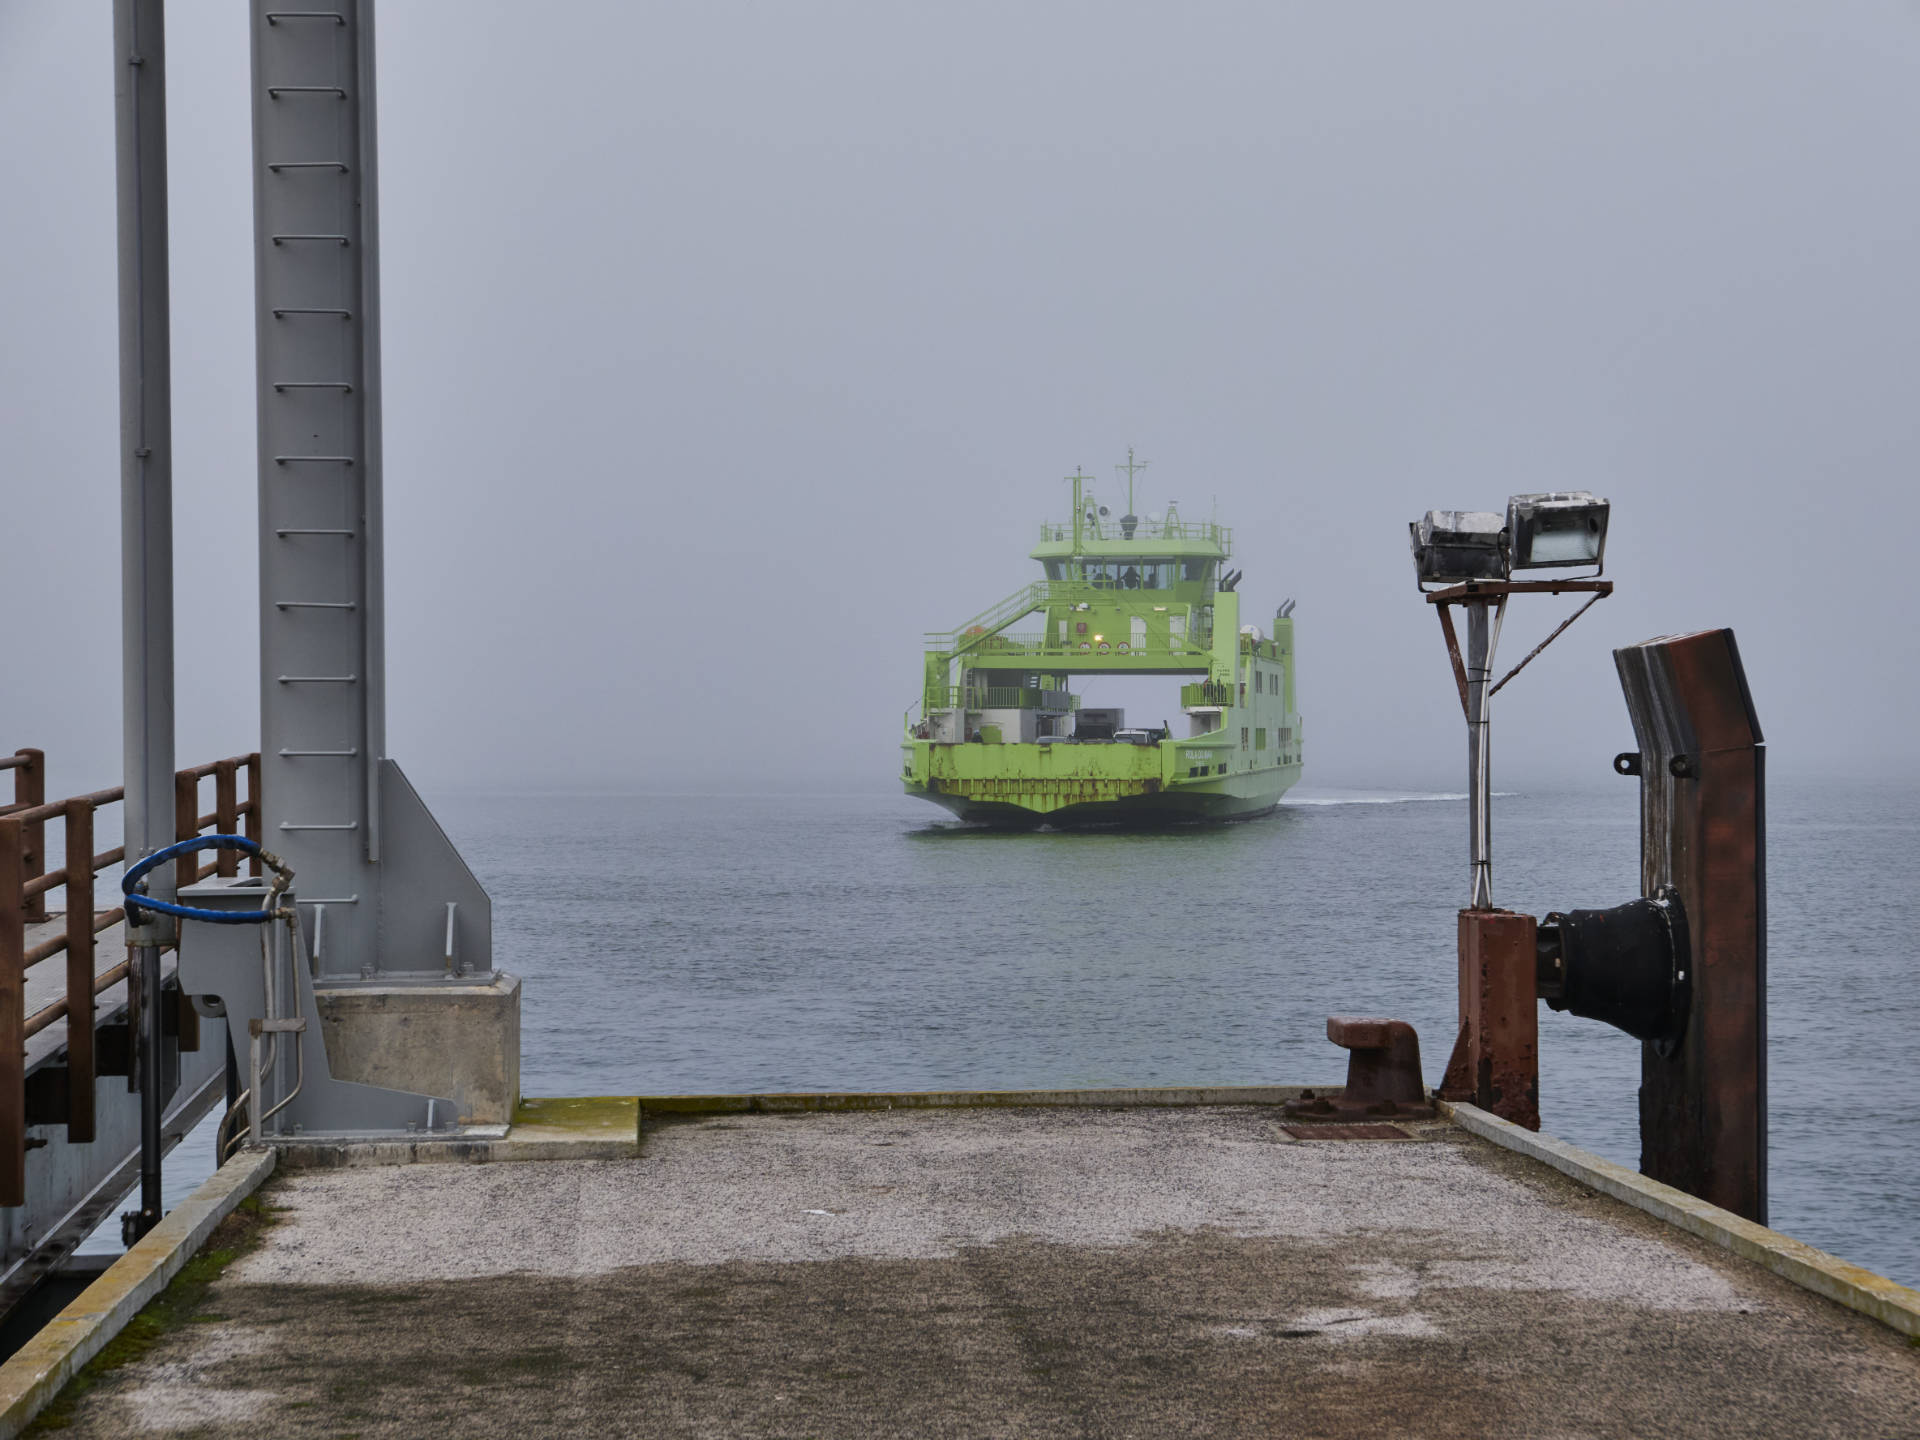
[(730, 347)]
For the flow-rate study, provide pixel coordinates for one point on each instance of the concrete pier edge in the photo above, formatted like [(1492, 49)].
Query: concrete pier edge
[(1121, 1097), (609, 1127), (37, 1372), (1887, 1301)]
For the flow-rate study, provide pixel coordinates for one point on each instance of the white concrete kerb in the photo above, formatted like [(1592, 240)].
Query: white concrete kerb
[(1890, 1303), (40, 1368)]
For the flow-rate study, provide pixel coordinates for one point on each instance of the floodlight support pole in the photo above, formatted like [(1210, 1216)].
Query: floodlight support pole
[(1495, 1062), (1483, 636)]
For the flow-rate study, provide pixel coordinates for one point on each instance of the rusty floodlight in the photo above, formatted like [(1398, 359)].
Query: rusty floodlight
[(1450, 546), (1471, 554), (1557, 528)]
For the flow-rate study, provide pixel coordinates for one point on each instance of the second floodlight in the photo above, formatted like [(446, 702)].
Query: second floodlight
[(1560, 527), (1454, 545)]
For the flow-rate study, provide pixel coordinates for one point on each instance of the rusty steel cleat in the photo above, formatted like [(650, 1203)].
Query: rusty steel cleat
[(1383, 1074)]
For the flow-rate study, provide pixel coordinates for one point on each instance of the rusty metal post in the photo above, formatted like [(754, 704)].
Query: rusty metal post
[(30, 790), (1702, 769), (186, 824), (13, 1019), (80, 950), (226, 810), (253, 809), (1496, 1060)]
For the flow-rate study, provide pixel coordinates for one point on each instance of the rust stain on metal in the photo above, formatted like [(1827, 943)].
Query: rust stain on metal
[(1453, 654), (1703, 1117), (1457, 1082), (1496, 1060)]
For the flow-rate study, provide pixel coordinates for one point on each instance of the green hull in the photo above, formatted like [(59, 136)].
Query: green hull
[(1024, 786), (1243, 797)]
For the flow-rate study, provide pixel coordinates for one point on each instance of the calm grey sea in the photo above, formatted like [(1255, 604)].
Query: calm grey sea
[(864, 942)]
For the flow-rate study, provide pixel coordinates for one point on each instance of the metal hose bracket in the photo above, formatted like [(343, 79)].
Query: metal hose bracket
[(137, 901)]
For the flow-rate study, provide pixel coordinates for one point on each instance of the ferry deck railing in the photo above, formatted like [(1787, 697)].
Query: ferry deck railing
[(24, 884), (1208, 531), (985, 627), (1010, 697), (1039, 645), (1206, 692)]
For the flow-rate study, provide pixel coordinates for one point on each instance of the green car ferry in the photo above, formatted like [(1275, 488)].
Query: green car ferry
[(1000, 738)]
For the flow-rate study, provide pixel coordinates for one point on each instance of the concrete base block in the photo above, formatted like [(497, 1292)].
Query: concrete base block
[(461, 1041)]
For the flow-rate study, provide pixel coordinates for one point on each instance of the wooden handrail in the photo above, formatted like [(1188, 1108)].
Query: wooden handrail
[(24, 884)]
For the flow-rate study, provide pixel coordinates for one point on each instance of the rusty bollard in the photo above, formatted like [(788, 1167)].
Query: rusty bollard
[(1383, 1073)]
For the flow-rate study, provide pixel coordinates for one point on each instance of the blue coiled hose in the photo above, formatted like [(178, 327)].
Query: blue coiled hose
[(283, 876)]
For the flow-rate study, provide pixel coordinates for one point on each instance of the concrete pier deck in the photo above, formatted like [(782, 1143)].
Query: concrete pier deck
[(999, 1272)]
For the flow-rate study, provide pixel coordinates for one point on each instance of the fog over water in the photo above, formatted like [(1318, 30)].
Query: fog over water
[(730, 347)]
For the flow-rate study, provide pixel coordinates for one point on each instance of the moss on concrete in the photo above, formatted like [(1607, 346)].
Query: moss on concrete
[(181, 1303), (584, 1112)]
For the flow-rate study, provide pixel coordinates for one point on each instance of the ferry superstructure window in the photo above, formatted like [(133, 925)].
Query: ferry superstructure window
[(1127, 574), (1243, 737), (1259, 681), (1194, 571), (1260, 738)]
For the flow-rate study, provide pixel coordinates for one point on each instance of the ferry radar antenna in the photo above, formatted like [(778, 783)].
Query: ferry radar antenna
[(1132, 468)]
